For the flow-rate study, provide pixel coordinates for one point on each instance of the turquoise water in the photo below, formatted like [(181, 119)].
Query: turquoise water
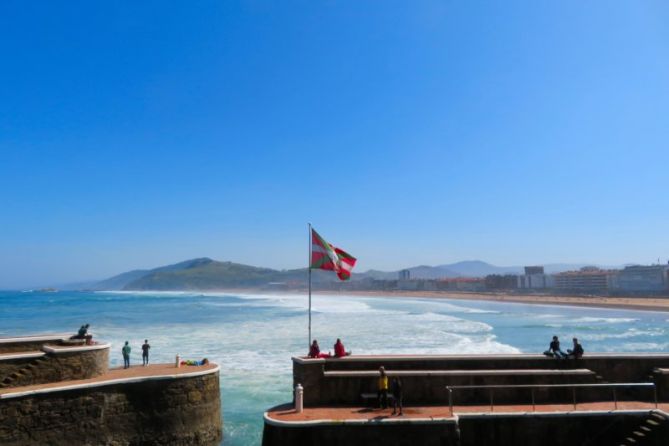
[(253, 337)]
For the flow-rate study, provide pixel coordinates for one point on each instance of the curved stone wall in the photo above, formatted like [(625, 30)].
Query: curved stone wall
[(183, 410), (57, 364)]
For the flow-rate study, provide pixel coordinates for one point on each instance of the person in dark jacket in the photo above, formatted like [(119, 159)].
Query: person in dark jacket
[(577, 351), (396, 389), (315, 351), (145, 352), (554, 349)]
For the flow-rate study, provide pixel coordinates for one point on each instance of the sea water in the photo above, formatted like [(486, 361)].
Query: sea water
[(253, 336)]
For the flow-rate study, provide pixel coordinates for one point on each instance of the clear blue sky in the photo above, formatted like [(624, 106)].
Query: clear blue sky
[(134, 134)]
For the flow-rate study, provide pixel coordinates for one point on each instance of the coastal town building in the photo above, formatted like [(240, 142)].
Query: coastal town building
[(587, 279), (404, 274), (461, 284), (535, 278), (644, 278)]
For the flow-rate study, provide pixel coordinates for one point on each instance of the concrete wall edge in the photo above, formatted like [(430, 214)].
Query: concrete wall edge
[(111, 382)]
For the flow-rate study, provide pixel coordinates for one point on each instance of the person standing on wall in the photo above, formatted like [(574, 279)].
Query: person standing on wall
[(145, 352), (126, 355)]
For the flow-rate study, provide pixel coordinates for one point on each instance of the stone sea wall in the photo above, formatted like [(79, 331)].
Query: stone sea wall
[(320, 389), (61, 366), (362, 434), (166, 411), (557, 429)]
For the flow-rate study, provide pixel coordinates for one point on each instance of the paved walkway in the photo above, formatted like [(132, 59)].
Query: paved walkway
[(153, 370), (287, 413)]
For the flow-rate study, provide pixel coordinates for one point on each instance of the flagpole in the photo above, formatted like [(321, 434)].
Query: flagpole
[(309, 269)]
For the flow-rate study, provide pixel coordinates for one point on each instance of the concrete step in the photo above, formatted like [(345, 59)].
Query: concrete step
[(645, 429), (639, 434), (652, 423), (630, 440), (658, 416)]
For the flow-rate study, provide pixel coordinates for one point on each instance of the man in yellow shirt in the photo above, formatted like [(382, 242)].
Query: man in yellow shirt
[(382, 392)]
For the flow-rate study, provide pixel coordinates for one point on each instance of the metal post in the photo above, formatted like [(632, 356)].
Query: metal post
[(655, 394), (450, 399), (492, 409), (573, 395), (534, 406), (309, 269), (615, 399)]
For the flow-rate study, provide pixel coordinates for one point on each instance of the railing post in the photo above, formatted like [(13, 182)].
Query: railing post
[(615, 399), (534, 406), (450, 399), (655, 394), (573, 395), (492, 409)]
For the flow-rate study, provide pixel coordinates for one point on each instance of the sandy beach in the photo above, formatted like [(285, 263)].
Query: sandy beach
[(632, 303)]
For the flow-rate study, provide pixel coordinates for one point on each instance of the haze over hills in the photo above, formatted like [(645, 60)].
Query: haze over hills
[(207, 274)]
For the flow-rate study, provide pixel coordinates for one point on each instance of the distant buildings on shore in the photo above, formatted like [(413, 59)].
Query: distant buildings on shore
[(636, 279)]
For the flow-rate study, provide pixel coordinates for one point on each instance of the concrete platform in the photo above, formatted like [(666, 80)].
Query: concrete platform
[(286, 413), (114, 376)]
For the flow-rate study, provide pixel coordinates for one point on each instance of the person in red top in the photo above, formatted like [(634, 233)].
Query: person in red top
[(339, 349), (315, 351)]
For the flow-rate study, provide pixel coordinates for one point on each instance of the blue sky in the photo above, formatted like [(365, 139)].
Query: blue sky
[(134, 134)]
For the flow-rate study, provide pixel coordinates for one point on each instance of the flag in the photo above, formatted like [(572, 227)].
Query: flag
[(326, 256)]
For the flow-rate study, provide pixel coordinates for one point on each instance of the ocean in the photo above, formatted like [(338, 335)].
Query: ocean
[(253, 336)]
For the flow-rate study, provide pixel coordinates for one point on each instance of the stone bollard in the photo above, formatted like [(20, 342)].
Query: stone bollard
[(178, 361), (299, 398)]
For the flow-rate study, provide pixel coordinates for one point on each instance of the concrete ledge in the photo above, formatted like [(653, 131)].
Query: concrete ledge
[(37, 338), (111, 382), (23, 355), (353, 421), (503, 372), (514, 356), (661, 371), (58, 349)]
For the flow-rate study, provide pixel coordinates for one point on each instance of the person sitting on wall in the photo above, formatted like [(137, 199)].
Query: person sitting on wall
[(554, 349), (577, 351), (83, 334), (382, 388), (339, 349), (315, 351)]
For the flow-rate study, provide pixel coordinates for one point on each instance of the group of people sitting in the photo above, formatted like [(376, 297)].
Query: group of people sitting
[(554, 350), (339, 350)]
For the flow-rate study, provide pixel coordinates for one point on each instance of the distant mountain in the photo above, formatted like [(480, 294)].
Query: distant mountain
[(207, 274), (203, 274), (470, 268), (477, 268)]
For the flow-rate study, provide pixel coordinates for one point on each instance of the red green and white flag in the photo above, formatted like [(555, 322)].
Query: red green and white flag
[(326, 256)]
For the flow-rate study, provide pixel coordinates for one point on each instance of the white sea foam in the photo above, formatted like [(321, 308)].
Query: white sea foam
[(607, 320), (629, 333)]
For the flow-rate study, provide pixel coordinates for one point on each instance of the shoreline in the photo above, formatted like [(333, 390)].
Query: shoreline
[(656, 304), (624, 303)]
